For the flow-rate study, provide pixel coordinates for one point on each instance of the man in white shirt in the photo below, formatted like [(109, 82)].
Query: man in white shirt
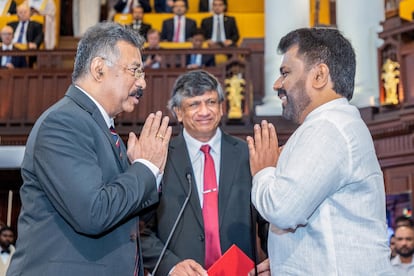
[(323, 193)]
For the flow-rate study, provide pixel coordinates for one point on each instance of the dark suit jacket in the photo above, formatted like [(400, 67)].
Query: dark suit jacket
[(17, 61), (230, 28), (167, 32), (235, 219), (80, 199), (34, 31), (206, 60), (143, 29)]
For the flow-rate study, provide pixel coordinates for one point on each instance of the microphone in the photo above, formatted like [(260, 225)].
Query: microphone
[(190, 184)]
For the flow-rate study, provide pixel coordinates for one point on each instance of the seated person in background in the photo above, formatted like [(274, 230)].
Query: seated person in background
[(220, 30), (138, 23), (195, 61), (207, 5), (27, 31), (10, 62), (126, 6), (179, 28), (152, 61), (165, 6)]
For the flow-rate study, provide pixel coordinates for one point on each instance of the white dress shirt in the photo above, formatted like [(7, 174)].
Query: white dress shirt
[(197, 159)]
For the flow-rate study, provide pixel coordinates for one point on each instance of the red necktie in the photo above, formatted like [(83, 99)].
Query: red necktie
[(177, 31), (210, 209), (117, 140)]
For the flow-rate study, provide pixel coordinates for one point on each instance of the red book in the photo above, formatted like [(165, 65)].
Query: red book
[(233, 263)]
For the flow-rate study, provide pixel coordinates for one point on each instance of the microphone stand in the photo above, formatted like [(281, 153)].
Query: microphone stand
[(189, 180)]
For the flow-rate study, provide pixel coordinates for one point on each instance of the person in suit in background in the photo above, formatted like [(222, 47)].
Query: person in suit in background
[(10, 62), (6, 248), (220, 30), (196, 102), (207, 5), (138, 22), (196, 61), (179, 28), (27, 31), (154, 60), (82, 189), (165, 6)]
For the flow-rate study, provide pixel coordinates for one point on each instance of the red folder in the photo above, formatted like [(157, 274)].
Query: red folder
[(233, 263)]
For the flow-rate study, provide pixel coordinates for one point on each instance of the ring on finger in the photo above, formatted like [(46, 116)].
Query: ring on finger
[(159, 136)]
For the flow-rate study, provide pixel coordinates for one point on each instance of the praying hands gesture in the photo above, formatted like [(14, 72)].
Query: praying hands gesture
[(152, 144), (263, 148)]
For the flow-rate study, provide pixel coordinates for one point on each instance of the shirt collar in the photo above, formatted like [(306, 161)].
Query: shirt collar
[(194, 145), (109, 121)]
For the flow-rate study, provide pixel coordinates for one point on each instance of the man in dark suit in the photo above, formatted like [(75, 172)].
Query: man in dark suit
[(82, 189), (220, 30), (179, 28), (195, 61), (27, 31), (138, 22), (196, 102), (7, 45)]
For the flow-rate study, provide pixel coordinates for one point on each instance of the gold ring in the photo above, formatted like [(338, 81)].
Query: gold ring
[(159, 136)]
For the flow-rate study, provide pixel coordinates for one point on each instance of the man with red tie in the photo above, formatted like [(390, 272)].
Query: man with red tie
[(216, 167), (179, 28)]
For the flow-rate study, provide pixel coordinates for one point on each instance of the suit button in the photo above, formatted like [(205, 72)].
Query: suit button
[(201, 237)]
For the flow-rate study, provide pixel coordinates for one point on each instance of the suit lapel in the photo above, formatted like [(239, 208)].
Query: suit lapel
[(180, 161), (228, 169), (88, 105)]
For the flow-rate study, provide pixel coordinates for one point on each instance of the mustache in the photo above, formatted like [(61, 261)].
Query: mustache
[(137, 93), (281, 92)]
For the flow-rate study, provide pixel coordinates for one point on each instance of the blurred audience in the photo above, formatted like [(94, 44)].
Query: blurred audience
[(10, 62), (195, 61), (403, 221), (126, 6), (47, 10), (152, 61), (27, 31), (138, 21)]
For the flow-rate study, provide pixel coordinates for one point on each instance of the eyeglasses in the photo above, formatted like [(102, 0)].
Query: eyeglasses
[(137, 72)]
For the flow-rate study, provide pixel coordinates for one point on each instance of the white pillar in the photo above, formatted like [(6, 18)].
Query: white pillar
[(85, 14), (281, 17), (359, 21)]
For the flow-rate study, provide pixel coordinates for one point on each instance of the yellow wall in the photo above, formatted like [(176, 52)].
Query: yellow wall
[(324, 16)]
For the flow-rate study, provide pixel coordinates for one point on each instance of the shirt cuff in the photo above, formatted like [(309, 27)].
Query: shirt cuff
[(154, 169)]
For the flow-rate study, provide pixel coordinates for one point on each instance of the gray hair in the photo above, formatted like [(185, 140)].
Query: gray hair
[(191, 84), (101, 40)]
